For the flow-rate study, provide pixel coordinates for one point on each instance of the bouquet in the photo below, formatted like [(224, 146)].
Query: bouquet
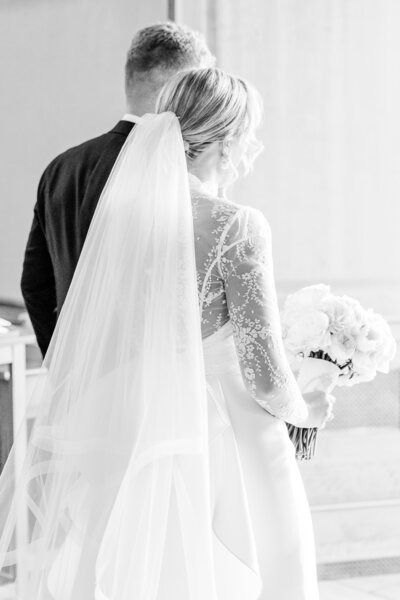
[(331, 340)]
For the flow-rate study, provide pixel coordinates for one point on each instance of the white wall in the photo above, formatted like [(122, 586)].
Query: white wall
[(329, 178), (61, 79)]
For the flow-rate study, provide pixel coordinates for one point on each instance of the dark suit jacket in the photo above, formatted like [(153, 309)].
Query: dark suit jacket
[(68, 192)]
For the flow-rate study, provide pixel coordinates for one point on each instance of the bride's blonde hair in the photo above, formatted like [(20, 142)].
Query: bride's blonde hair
[(213, 105)]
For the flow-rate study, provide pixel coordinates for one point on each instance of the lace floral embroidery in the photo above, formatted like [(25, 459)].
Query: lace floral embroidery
[(235, 282), (211, 216)]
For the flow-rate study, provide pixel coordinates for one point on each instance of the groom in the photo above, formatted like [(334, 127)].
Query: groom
[(71, 185)]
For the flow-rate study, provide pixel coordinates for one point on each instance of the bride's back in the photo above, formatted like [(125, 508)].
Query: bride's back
[(211, 219)]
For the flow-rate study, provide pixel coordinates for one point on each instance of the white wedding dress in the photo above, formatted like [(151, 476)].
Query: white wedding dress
[(156, 469), (261, 513)]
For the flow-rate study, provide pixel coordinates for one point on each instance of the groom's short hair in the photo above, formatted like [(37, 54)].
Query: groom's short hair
[(166, 46)]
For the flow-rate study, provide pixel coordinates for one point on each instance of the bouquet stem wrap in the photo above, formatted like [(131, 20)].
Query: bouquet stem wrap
[(316, 374)]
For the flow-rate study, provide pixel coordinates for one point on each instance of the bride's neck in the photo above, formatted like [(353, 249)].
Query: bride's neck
[(206, 177)]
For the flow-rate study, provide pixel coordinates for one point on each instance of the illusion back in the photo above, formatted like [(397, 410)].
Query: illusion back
[(235, 280), (211, 217)]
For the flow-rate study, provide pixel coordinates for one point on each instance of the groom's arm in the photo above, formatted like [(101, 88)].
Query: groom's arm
[(37, 281)]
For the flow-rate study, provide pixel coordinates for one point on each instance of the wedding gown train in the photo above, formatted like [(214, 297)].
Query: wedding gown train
[(261, 513)]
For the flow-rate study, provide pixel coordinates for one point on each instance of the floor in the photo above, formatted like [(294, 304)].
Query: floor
[(377, 587)]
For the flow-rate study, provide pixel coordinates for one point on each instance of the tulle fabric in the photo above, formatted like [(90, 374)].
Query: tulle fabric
[(122, 435)]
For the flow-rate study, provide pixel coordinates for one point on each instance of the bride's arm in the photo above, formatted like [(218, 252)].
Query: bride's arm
[(247, 269)]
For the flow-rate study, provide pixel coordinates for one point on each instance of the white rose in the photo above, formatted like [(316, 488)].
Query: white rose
[(307, 297), (309, 332), (339, 313), (363, 366), (360, 314), (379, 333), (364, 342), (343, 347)]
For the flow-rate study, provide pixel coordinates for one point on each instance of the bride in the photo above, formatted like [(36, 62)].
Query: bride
[(160, 467)]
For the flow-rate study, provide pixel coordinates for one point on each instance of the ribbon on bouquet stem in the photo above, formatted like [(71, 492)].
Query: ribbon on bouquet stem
[(316, 374)]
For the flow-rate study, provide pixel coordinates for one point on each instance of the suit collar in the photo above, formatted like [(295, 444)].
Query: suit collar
[(123, 128)]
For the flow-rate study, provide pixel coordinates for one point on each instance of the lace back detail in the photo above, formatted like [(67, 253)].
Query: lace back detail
[(236, 282)]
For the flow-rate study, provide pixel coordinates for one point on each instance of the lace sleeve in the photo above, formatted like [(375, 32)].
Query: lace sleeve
[(247, 269)]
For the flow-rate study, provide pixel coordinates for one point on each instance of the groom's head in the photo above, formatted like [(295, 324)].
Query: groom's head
[(156, 54)]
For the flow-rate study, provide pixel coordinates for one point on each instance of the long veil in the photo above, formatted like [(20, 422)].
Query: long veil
[(120, 444)]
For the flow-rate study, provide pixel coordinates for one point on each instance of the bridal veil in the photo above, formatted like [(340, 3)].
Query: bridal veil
[(121, 438)]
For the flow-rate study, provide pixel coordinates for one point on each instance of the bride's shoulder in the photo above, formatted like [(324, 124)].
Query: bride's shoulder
[(249, 222), (235, 219), (212, 214)]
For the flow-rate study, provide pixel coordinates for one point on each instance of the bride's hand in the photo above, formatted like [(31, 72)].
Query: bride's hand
[(319, 405)]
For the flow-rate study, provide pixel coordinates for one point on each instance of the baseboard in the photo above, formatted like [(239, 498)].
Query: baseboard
[(359, 568)]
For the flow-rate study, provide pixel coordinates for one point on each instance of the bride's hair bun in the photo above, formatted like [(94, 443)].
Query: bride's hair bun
[(213, 105)]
